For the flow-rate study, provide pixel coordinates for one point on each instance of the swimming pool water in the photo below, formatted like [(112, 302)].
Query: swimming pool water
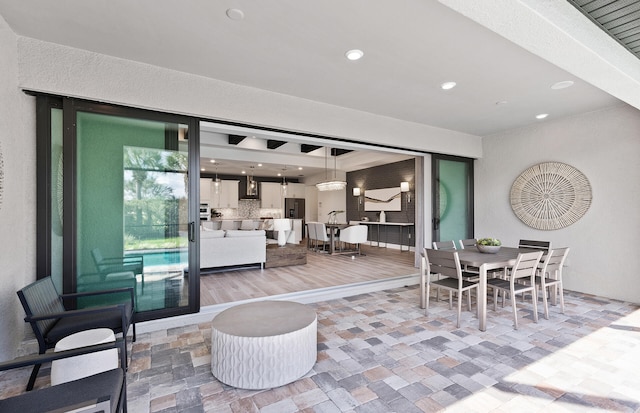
[(165, 257)]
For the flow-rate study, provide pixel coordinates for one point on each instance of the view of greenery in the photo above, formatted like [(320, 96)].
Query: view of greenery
[(158, 243), (155, 198)]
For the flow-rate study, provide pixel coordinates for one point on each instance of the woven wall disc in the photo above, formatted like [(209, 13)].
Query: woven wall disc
[(550, 195)]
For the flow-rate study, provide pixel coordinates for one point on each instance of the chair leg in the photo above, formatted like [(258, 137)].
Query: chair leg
[(534, 294), (426, 305), (478, 306), (561, 291), (515, 310), (459, 309), (544, 301), (33, 377)]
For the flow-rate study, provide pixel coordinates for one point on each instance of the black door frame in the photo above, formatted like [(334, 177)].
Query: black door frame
[(70, 107)]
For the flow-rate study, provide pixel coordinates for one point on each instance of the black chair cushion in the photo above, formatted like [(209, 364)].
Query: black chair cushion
[(108, 383), (104, 319)]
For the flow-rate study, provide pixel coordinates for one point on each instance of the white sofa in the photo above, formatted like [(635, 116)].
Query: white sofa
[(220, 248)]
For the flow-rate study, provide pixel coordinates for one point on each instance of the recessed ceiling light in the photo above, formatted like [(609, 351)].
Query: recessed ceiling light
[(213, 161), (562, 85), (259, 164), (202, 169), (448, 85), (235, 14), (299, 168), (244, 172), (279, 174), (354, 54), (542, 116)]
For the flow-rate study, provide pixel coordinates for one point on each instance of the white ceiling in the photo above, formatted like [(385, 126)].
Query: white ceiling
[(297, 47)]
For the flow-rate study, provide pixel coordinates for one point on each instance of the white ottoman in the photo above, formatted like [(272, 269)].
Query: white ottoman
[(264, 344), (74, 368)]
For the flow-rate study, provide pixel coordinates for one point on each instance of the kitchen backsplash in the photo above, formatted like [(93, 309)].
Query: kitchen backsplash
[(249, 208)]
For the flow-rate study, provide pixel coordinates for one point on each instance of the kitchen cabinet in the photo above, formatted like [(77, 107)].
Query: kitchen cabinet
[(205, 190), (295, 190), (227, 196), (270, 195)]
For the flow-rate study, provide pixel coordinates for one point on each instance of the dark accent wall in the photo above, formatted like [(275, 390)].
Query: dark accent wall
[(384, 176)]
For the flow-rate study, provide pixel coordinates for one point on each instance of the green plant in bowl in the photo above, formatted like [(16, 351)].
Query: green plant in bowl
[(488, 245), (494, 242)]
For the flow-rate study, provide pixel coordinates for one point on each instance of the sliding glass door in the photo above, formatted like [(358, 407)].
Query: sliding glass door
[(452, 198), (128, 215)]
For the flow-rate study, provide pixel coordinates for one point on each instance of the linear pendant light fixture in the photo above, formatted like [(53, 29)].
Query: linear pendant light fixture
[(327, 185)]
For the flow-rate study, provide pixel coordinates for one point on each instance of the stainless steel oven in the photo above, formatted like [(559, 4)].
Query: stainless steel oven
[(205, 212)]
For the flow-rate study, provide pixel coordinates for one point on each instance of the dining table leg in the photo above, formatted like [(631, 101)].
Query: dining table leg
[(331, 241), (482, 298)]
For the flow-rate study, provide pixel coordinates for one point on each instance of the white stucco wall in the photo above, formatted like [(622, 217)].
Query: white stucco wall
[(67, 71), (603, 145), (17, 228)]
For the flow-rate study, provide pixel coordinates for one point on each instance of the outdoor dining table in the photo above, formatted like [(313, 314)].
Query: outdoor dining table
[(505, 257)]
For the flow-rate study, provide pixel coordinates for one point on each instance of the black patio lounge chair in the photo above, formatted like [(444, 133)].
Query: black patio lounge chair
[(102, 392), (110, 265), (51, 321)]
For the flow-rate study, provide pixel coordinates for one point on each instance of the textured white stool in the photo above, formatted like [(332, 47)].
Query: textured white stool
[(263, 344), (74, 368)]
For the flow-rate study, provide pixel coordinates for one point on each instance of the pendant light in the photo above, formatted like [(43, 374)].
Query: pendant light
[(252, 186), (216, 183), (284, 185), (334, 185)]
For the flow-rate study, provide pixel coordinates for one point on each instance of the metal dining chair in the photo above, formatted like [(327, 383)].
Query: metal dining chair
[(447, 246), (446, 263), (444, 245), (312, 243), (535, 245), (521, 280), (468, 243), (550, 276)]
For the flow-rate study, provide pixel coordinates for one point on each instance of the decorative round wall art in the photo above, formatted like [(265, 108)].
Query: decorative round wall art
[(550, 195)]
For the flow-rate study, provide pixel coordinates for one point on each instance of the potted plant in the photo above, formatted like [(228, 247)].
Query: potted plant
[(488, 245)]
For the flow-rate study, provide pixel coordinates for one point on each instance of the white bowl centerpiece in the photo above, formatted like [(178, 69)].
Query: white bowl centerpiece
[(488, 245)]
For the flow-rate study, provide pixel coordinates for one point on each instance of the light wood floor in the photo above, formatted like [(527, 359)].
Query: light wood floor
[(322, 270)]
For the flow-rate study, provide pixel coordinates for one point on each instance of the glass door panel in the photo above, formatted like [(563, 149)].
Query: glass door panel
[(132, 202), (56, 188), (453, 198)]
